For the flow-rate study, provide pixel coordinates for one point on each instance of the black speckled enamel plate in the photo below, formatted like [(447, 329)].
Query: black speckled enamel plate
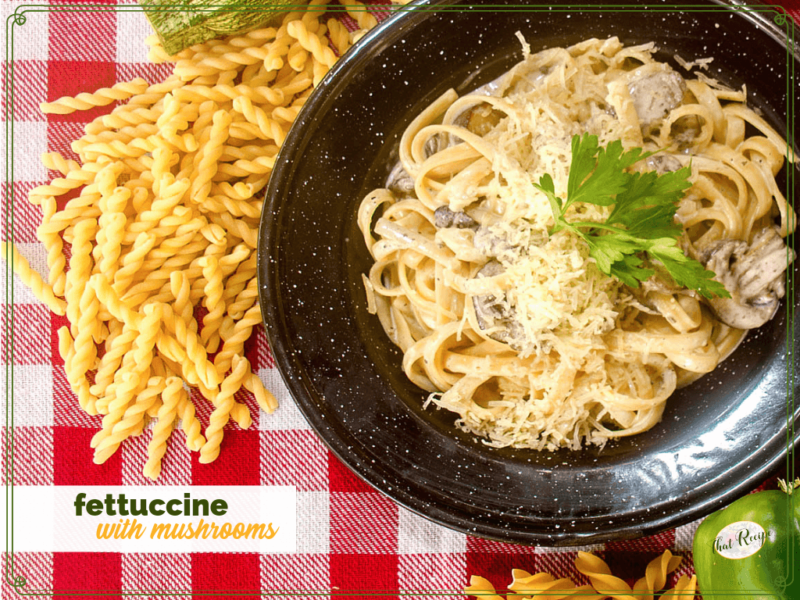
[(719, 438)]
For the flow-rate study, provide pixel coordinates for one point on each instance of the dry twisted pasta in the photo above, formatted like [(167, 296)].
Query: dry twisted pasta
[(75, 375), (133, 420), (31, 278), (240, 415), (237, 227), (266, 400), (270, 128), (339, 36), (190, 424), (223, 404), (60, 186), (213, 303), (102, 97), (603, 584), (164, 218), (134, 380), (112, 222), (195, 352), (312, 43), (56, 262), (234, 338), (209, 156), (85, 351), (359, 13), (55, 162), (132, 262), (172, 398), (116, 347)]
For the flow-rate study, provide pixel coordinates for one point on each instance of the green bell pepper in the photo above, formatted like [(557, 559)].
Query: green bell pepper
[(742, 552)]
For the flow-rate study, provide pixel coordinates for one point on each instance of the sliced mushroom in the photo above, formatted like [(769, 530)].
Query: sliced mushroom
[(481, 119), (492, 314), (399, 181), (491, 244), (752, 274), (654, 94), (663, 163), (444, 217)]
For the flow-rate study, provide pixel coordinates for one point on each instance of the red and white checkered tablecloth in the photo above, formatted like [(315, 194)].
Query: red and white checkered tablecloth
[(350, 537)]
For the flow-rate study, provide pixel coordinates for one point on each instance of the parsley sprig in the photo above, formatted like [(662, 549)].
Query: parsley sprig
[(641, 227)]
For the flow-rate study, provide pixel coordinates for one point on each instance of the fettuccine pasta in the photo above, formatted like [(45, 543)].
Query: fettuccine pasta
[(515, 329)]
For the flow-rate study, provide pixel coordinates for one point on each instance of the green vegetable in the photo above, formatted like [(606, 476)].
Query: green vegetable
[(761, 573), (183, 24), (642, 221)]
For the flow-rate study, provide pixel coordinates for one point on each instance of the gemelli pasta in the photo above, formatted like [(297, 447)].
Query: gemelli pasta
[(602, 583), (160, 214)]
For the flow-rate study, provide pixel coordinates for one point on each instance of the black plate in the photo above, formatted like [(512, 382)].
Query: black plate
[(719, 438)]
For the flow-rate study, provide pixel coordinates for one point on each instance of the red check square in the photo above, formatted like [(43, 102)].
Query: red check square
[(73, 462), (360, 574), (224, 574), (72, 574)]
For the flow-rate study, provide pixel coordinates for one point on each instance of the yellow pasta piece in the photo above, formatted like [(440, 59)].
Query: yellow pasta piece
[(102, 97), (216, 308), (133, 420), (56, 261), (656, 575), (223, 404), (172, 398), (75, 376), (56, 162), (190, 424), (73, 180), (269, 128), (134, 378), (112, 222), (31, 278), (209, 157), (116, 348), (339, 36), (359, 13), (266, 400), (196, 353), (233, 342), (132, 262), (85, 354), (312, 43), (118, 308), (600, 575), (481, 588), (240, 415)]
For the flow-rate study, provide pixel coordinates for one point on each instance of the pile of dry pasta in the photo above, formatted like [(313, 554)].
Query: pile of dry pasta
[(161, 216), (603, 583)]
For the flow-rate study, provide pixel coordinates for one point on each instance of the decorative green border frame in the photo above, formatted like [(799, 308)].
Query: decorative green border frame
[(18, 18)]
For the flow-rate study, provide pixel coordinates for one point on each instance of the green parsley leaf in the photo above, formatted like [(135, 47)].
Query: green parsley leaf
[(641, 226)]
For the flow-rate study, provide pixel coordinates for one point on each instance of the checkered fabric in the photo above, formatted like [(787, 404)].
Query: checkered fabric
[(350, 537)]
